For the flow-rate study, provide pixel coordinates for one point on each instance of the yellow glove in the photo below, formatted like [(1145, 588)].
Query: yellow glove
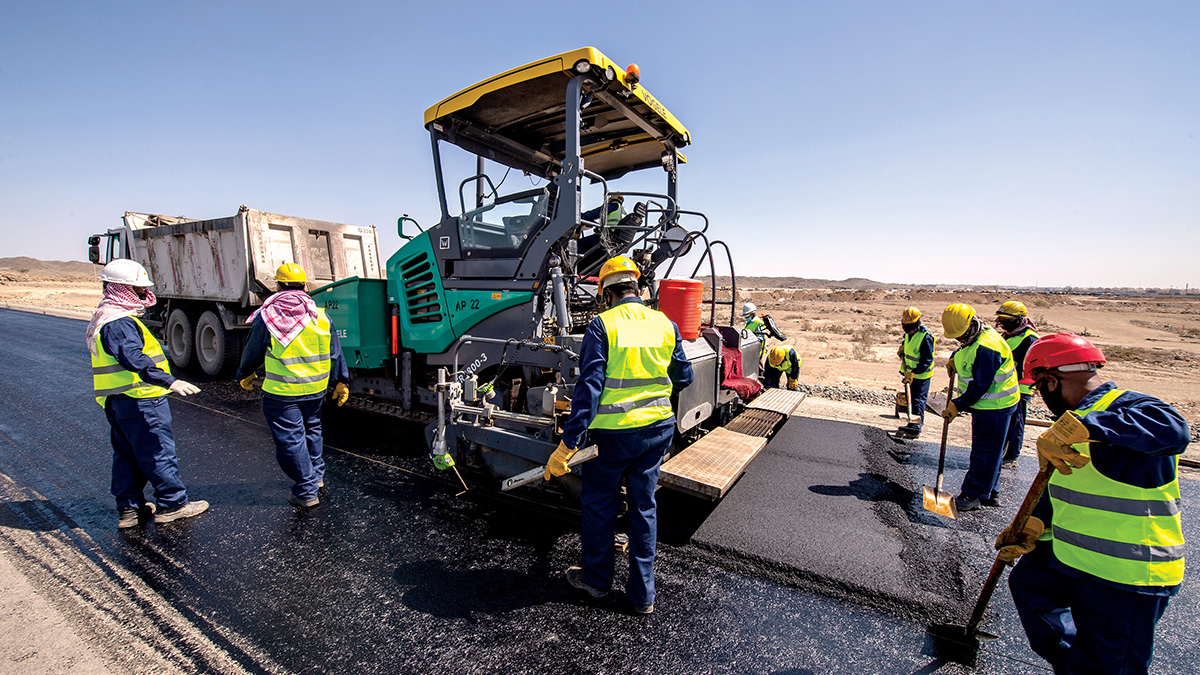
[(557, 464), (900, 351), (908, 376), (1013, 546), (951, 371), (1054, 445), (340, 393), (951, 411), (248, 382), (793, 384)]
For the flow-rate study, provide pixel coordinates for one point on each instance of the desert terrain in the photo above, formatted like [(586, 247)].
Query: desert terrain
[(847, 333)]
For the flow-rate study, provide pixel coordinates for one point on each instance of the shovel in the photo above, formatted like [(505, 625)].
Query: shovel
[(937, 500), (961, 643), (908, 401)]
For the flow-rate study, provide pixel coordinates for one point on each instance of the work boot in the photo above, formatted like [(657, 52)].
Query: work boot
[(963, 504), (193, 508), (304, 503), (993, 501), (1010, 463), (648, 609), (128, 516), (575, 578)]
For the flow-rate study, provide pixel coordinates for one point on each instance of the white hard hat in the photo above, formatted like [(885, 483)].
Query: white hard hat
[(748, 309), (125, 271)]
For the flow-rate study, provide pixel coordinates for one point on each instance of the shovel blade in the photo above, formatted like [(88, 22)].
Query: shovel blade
[(939, 502)]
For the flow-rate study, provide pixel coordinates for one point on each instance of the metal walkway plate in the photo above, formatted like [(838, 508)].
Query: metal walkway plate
[(783, 401), (708, 467)]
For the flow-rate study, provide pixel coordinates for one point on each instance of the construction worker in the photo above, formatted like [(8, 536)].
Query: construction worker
[(782, 360), (132, 378), (630, 362), (1012, 320), (302, 353), (609, 214), (916, 367), (987, 388), (1092, 589)]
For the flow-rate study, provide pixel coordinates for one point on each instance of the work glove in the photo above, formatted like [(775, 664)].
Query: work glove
[(184, 388), (1054, 445), (248, 382), (951, 411), (442, 462), (908, 376), (340, 393), (951, 371), (557, 464), (1012, 546), (793, 384), (900, 352)]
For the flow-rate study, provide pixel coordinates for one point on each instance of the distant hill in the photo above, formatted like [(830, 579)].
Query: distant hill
[(852, 284), (62, 268)]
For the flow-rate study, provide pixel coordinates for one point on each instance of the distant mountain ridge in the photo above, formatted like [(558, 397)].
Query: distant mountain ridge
[(69, 268)]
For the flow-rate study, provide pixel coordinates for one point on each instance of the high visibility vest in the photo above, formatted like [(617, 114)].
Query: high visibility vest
[(759, 328), (615, 216), (110, 378), (637, 386), (1003, 391), (302, 367), (785, 366), (1015, 341), (912, 353), (1113, 530)]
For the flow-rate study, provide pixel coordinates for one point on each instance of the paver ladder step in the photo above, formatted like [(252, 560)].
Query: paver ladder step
[(708, 467), (783, 401)]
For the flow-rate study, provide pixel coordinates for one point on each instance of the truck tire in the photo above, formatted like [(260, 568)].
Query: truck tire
[(178, 336), (216, 348)]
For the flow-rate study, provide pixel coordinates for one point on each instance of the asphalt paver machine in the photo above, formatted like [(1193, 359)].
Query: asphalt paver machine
[(477, 326)]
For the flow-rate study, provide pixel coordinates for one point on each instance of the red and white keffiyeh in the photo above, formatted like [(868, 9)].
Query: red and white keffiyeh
[(286, 313), (120, 300)]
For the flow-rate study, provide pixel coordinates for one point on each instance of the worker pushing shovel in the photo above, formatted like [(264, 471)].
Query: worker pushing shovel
[(916, 367)]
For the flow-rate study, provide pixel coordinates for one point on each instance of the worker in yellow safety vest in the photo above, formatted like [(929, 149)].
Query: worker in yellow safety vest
[(1012, 320), (299, 346), (916, 367), (988, 389), (630, 362), (782, 361), (1091, 588), (132, 378)]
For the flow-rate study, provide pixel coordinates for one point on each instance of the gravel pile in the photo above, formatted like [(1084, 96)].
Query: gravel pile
[(1195, 427), (854, 394)]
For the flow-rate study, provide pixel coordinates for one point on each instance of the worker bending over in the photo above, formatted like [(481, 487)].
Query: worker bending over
[(987, 388), (1012, 320), (300, 348), (1091, 591), (132, 378), (782, 361), (916, 367), (630, 362)]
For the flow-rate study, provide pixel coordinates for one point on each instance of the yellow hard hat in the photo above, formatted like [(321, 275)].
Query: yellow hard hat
[(617, 270), (777, 355), (1012, 308), (911, 315), (291, 272), (956, 319)]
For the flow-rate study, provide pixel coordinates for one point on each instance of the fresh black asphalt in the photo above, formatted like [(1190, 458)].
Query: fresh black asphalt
[(819, 560)]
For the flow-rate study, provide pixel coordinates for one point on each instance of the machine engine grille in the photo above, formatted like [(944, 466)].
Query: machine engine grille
[(421, 298)]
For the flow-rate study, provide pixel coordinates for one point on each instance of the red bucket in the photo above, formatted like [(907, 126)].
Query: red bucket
[(680, 300)]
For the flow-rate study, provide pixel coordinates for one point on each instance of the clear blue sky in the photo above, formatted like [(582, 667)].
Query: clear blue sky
[(927, 142)]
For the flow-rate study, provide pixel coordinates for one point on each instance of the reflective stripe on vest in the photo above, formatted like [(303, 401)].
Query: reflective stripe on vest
[(110, 378), (637, 387), (912, 353), (302, 367), (1014, 341), (1113, 530), (1003, 391)]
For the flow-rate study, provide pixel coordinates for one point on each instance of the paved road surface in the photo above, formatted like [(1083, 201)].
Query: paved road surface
[(817, 562)]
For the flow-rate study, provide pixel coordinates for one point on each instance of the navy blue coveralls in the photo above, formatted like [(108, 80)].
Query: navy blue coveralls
[(295, 421), (1079, 622), (989, 428), (142, 440), (773, 375), (1016, 427), (633, 455), (919, 388)]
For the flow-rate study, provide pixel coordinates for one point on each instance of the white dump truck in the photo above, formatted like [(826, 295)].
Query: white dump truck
[(209, 275)]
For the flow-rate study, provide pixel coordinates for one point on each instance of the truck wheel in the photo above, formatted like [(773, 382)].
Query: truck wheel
[(178, 336), (216, 348)]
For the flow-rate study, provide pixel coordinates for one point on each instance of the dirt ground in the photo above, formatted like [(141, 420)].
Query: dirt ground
[(849, 337)]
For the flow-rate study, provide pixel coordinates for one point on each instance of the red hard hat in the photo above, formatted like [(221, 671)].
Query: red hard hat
[(1060, 349)]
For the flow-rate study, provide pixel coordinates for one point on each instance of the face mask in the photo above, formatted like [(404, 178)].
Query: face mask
[(1008, 323), (141, 292), (909, 328), (1053, 398)]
